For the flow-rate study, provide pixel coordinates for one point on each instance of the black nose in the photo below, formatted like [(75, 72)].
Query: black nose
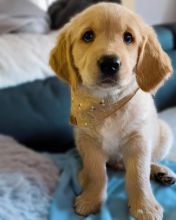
[(109, 65)]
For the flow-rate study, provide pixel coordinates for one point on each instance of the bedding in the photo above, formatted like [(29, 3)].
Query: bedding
[(32, 99), (27, 182), (116, 205), (22, 16), (33, 114), (31, 189), (24, 58)]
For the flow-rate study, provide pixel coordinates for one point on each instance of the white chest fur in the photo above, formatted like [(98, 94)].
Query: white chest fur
[(117, 128), (112, 133)]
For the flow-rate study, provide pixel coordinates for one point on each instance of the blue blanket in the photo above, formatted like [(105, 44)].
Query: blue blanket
[(116, 204)]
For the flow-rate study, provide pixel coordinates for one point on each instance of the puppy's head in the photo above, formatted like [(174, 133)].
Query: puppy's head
[(106, 47)]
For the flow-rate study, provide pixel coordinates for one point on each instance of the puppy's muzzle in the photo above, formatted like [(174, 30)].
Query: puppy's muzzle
[(109, 66)]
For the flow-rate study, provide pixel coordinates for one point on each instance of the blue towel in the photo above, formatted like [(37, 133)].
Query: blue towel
[(115, 206)]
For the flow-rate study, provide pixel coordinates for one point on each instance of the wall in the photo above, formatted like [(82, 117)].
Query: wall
[(156, 11), (129, 4)]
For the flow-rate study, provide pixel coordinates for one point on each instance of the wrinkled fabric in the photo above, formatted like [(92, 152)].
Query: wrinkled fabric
[(27, 182), (116, 203), (22, 16)]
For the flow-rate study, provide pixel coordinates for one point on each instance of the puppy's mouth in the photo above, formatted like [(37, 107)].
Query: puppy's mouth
[(108, 82)]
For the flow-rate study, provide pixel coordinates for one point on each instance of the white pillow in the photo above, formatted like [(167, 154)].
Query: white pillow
[(24, 58), (22, 16)]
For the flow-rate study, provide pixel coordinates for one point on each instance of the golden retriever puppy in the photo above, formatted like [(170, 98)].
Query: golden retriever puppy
[(113, 62)]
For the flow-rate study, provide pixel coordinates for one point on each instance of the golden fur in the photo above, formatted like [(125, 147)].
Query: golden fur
[(134, 134)]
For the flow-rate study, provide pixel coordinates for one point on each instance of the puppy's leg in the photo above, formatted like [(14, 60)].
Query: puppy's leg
[(92, 178), (162, 174), (137, 156)]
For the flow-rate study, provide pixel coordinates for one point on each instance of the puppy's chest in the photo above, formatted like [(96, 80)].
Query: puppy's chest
[(114, 131)]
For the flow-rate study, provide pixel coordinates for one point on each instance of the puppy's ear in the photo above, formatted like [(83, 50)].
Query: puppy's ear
[(153, 64), (61, 60)]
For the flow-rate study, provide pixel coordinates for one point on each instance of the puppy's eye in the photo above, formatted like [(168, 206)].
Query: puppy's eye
[(128, 38), (88, 36)]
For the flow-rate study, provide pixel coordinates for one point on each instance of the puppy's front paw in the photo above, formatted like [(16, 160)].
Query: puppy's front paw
[(86, 204), (147, 210)]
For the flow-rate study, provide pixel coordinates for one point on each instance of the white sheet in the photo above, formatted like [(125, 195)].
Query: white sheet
[(22, 16)]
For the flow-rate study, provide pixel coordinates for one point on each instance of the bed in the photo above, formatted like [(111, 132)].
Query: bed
[(34, 109)]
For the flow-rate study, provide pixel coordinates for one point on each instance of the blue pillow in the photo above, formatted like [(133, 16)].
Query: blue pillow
[(37, 114)]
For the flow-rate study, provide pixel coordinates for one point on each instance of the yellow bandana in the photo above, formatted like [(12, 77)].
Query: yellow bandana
[(90, 112)]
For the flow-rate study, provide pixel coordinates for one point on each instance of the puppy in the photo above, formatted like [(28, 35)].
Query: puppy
[(113, 62)]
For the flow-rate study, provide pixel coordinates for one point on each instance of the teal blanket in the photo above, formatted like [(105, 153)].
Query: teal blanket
[(116, 203)]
